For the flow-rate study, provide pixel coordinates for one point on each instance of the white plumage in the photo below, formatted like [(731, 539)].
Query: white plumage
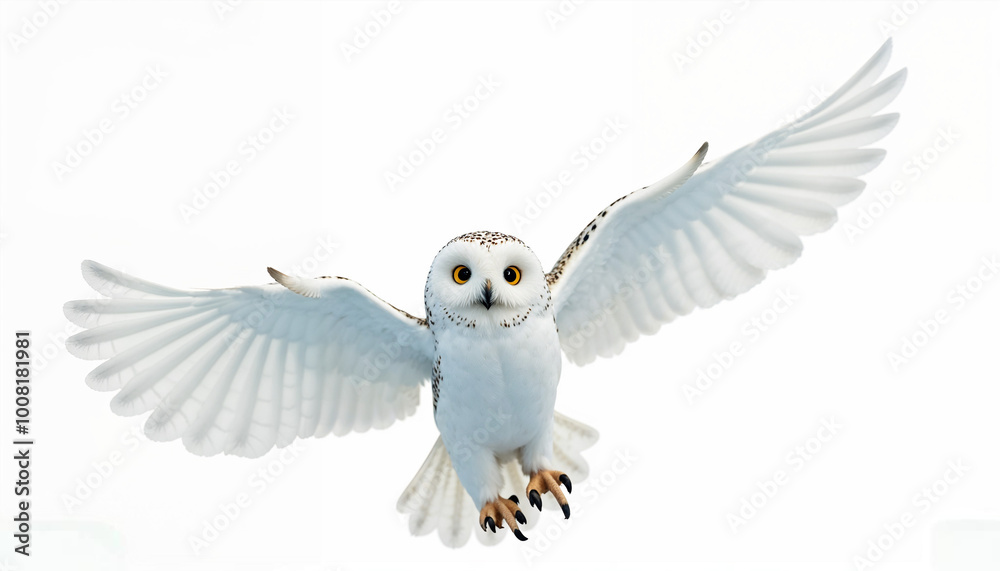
[(711, 231), (241, 370)]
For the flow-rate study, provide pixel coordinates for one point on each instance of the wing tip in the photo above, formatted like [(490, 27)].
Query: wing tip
[(125, 404), (95, 274), (898, 75), (74, 349), (89, 265), (881, 56), (72, 310), (98, 381), (701, 152), (885, 50), (80, 349), (293, 283)]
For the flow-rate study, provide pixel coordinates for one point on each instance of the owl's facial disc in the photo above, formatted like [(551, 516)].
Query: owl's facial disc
[(486, 277)]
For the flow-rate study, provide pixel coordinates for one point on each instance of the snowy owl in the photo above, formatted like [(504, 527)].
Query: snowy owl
[(245, 369)]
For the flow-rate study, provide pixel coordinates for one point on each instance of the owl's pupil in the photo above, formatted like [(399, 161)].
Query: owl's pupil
[(509, 275), (464, 274)]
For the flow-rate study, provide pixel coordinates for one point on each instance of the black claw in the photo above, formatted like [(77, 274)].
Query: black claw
[(565, 508), (520, 517), (565, 481), (534, 499), (513, 498), (519, 535), (492, 526)]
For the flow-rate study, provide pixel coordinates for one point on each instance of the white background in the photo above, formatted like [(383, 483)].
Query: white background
[(321, 180)]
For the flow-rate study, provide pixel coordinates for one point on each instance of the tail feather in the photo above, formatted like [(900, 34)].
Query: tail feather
[(435, 499), (570, 439), (418, 497)]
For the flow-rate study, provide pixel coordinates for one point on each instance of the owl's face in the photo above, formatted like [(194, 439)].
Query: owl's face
[(485, 277)]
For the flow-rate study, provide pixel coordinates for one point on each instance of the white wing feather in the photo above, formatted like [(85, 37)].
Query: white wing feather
[(706, 234), (240, 370)]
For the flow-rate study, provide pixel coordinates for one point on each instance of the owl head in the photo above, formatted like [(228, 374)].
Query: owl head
[(485, 278)]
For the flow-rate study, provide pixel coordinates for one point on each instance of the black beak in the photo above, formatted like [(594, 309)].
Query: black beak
[(488, 295)]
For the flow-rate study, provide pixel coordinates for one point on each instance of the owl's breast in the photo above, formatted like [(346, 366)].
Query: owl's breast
[(499, 384)]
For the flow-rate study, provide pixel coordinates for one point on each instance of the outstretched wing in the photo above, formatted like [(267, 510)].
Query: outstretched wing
[(240, 370), (696, 238)]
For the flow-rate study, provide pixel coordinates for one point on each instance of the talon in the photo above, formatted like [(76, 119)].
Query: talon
[(566, 482), (495, 513), (513, 498), (535, 499), (544, 481)]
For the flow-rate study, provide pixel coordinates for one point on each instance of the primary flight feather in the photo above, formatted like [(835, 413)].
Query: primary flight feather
[(242, 370)]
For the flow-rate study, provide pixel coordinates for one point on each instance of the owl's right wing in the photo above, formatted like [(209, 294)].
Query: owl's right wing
[(240, 370), (711, 232)]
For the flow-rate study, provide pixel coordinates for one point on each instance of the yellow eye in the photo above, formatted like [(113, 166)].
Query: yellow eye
[(512, 275), (461, 274)]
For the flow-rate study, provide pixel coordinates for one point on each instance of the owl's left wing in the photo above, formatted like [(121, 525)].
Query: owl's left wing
[(706, 234), (240, 370)]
